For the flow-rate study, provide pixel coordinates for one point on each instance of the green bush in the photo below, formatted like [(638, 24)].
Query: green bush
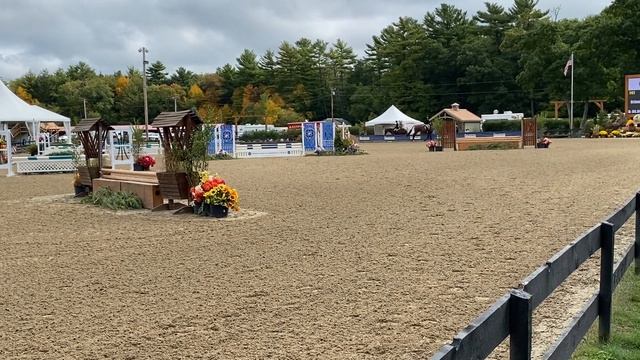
[(552, 126), (271, 135), (32, 149), (494, 146), (106, 198), (61, 153), (502, 125)]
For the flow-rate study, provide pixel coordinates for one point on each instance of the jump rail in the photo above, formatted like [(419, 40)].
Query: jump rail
[(511, 316)]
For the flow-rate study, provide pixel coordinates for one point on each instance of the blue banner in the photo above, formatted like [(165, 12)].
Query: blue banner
[(309, 136), (327, 135), (211, 150), (226, 135)]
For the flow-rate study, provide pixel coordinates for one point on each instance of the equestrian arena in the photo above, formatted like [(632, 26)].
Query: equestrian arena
[(386, 255)]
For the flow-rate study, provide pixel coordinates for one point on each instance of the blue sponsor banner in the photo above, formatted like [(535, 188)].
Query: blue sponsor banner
[(211, 149), (309, 136), (226, 134), (327, 135)]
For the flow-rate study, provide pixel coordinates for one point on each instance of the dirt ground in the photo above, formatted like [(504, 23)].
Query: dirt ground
[(386, 255)]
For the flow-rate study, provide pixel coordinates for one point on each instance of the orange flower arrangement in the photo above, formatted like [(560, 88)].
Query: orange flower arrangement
[(213, 190)]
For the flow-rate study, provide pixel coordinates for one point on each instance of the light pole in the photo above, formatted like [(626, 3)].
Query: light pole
[(84, 104), (144, 52), (175, 103), (333, 93)]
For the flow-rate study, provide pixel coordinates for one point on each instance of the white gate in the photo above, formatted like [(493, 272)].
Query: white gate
[(5, 152), (120, 144)]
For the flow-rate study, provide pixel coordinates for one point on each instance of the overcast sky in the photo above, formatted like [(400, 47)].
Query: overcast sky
[(199, 35)]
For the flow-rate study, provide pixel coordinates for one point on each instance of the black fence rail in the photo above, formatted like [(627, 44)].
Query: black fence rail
[(511, 316)]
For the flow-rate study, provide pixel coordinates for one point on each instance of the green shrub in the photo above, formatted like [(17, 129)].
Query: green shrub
[(107, 198), (494, 146), (32, 149), (61, 153), (502, 125), (271, 135)]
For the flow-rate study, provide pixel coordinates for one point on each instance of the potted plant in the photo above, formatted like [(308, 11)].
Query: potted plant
[(213, 197), (79, 189), (543, 143), (438, 126), (431, 145), (137, 141), (143, 163)]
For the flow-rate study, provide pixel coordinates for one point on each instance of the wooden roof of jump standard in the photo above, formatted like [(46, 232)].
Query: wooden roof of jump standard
[(169, 119), (457, 114), (91, 125)]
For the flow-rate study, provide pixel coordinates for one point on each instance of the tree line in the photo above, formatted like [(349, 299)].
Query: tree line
[(507, 58)]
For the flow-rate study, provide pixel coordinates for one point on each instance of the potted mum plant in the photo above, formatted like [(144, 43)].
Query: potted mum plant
[(431, 145), (213, 197), (143, 163)]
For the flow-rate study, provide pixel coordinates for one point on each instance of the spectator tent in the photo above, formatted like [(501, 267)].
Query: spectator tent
[(388, 120), (14, 112)]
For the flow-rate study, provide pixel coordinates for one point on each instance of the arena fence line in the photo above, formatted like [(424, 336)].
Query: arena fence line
[(511, 316)]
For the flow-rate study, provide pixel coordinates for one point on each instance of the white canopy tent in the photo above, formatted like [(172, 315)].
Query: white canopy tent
[(14, 110), (390, 117)]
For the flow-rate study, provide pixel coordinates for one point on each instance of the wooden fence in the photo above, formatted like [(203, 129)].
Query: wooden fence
[(511, 316)]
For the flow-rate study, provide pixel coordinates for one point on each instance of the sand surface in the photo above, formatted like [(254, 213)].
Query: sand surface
[(386, 255)]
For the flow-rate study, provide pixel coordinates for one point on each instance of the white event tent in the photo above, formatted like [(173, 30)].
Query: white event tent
[(14, 110), (389, 119)]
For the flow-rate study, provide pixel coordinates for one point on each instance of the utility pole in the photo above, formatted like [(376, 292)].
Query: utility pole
[(144, 52), (573, 63), (333, 93), (84, 104), (175, 103)]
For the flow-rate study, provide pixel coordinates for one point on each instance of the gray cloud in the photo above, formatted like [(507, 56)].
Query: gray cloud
[(201, 36)]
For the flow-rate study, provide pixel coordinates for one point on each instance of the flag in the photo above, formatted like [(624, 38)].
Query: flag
[(569, 65)]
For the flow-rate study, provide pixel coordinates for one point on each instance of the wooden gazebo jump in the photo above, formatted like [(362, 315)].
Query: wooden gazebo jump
[(176, 128), (93, 134)]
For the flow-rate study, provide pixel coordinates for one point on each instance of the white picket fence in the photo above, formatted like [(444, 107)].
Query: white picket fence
[(246, 151), (45, 166)]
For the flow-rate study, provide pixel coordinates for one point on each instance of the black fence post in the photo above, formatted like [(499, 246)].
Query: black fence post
[(520, 325), (637, 242), (606, 281)]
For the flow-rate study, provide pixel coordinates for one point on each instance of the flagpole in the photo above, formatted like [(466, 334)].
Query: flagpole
[(571, 110)]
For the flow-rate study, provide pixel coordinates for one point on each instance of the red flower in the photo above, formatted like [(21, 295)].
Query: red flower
[(146, 161), (197, 194), (206, 186)]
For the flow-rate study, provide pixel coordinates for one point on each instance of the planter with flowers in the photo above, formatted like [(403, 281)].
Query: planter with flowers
[(143, 163), (433, 145), (213, 197), (543, 143)]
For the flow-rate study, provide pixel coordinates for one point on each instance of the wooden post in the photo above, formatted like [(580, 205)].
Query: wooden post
[(520, 325), (607, 238), (637, 242)]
